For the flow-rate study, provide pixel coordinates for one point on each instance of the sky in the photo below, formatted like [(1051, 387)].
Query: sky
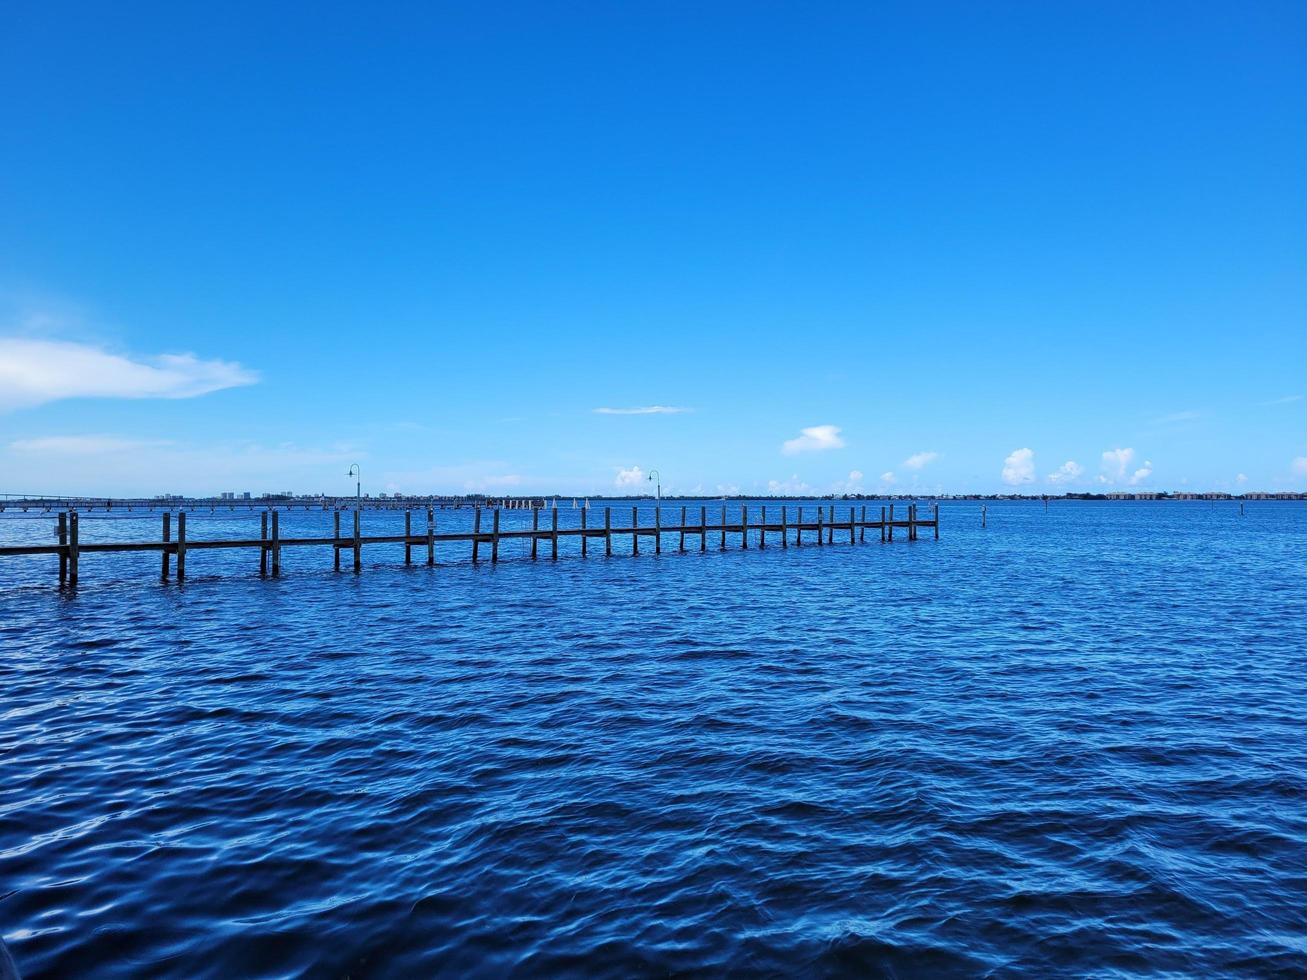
[(762, 247)]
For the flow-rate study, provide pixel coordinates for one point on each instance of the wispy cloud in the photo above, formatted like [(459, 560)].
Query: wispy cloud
[(792, 487), (642, 410), (1174, 417), (814, 439), (1068, 472), (1299, 466), (1019, 467), (35, 371), (919, 460), (888, 477), (83, 445), (1286, 400)]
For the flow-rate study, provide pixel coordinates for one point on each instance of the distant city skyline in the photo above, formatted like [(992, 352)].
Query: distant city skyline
[(764, 250)]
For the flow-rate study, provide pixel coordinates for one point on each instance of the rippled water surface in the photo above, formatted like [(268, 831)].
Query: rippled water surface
[(1071, 742)]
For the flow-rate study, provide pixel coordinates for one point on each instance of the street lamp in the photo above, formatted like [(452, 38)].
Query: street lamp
[(355, 472), (657, 477)]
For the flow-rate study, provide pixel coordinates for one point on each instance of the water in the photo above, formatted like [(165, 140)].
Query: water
[(1070, 743)]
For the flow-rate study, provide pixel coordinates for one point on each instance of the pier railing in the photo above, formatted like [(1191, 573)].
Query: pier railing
[(826, 528)]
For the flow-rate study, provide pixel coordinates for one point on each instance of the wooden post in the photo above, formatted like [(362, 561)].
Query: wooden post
[(63, 544), (72, 547), (862, 525), (358, 540), (852, 539), (535, 526), (785, 527), (984, 507), (167, 536), (762, 530), (585, 538), (263, 543), (553, 538), (821, 525), (682, 528), (181, 545), (494, 538), (335, 536), (912, 522), (476, 535), (431, 536), (408, 533), (798, 530), (635, 534), (703, 529), (891, 522), (658, 530), (936, 522), (723, 548), (608, 531), (276, 545)]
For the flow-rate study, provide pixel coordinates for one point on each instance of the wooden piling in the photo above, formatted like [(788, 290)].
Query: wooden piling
[(535, 527), (181, 545), (635, 533), (852, 539), (608, 532), (891, 522), (821, 527), (335, 538), (263, 543), (431, 536), (882, 523), (72, 546), (585, 538), (408, 533), (723, 547), (703, 529), (762, 530), (744, 527), (937, 522), (167, 536), (63, 548), (494, 538), (983, 513), (553, 538), (785, 529), (682, 528), (862, 530), (358, 540), (476, 535), (798, 529), (658, 530), (276, 545)]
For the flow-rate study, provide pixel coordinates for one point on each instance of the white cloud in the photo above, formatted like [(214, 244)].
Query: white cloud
[(1143, 473), (792, 487), (34, 371), (888, 477), (1116, 463), (1068, 472), (918, 460), (1299, 466), (852, 484), (727, 489), (1174, 417), (1019, 467), (1286, 400), (1241, 479), (642, 410), (813, 439), (82, 445), (629, 478)]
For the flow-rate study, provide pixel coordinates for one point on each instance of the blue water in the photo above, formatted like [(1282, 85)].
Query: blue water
[(1072, 742)]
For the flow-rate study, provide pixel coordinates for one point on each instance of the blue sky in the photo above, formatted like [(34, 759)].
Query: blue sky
[(958, 247)]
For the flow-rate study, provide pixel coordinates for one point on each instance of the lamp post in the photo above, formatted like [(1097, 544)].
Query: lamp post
[(355, 472), (657, 479)]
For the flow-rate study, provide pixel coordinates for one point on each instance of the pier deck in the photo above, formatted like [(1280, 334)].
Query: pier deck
[(826, 529)]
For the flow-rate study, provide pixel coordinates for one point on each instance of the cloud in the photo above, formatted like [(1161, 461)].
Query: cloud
[(792, 487), (1142, 474), (1241, 479), (918, 460), (629, 478), (83, 445), (1176, 417), (1068, 472), (814, 439), (888, 477), (851, 484), (1019, 467), (642, 410), (1115, 464), (35, 371), (1299, 466), (1286, 400)]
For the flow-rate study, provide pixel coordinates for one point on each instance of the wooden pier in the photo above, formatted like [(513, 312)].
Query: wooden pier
[(784, 529)]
